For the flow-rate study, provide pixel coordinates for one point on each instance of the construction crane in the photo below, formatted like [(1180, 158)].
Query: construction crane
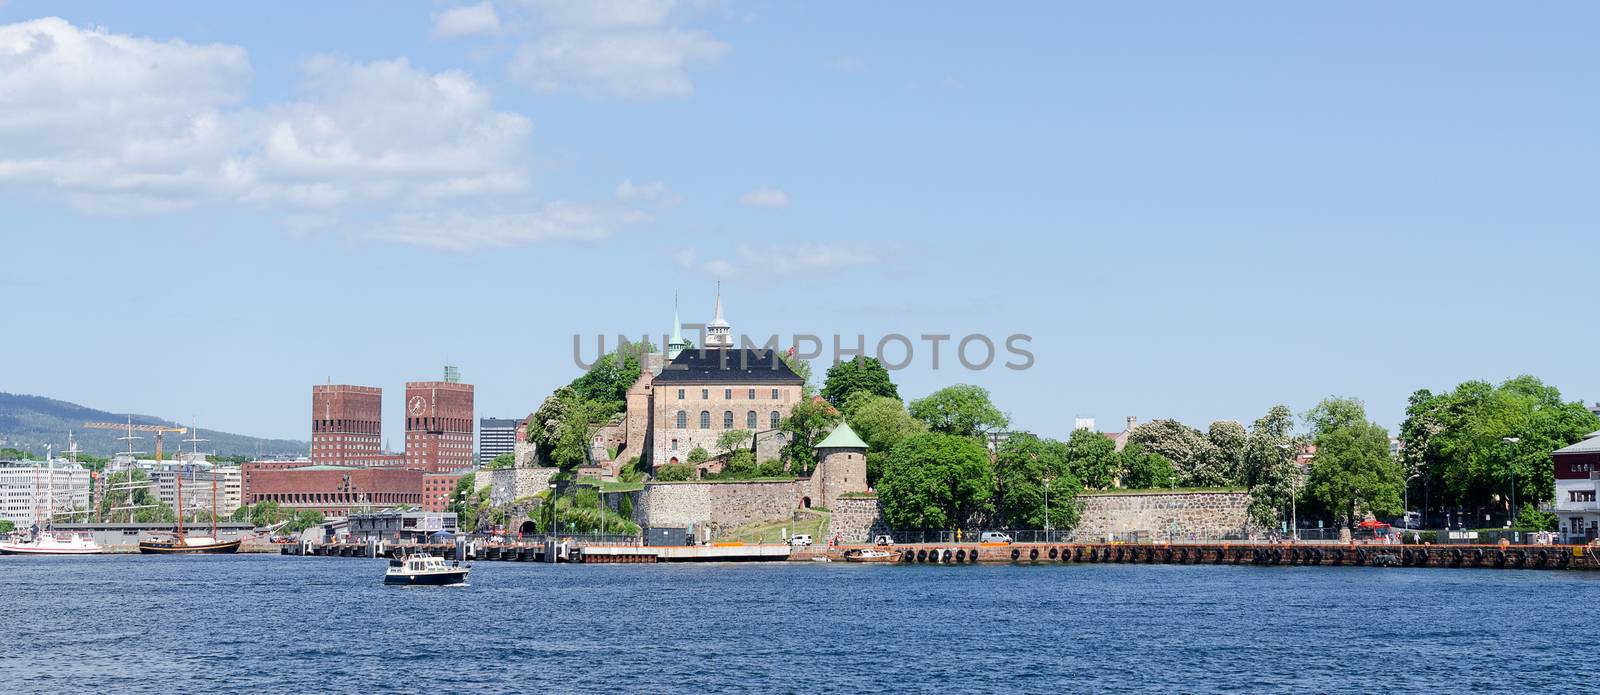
[(131, 428)]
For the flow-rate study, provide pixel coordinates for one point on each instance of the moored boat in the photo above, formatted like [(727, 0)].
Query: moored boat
[(424, 570), (53, 543), (868, 555), (178, 545)]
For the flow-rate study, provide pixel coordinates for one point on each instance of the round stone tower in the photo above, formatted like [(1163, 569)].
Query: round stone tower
[(841, 466)]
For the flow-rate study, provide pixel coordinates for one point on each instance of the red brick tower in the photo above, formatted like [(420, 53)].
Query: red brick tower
[(346, 423), (439, 421)]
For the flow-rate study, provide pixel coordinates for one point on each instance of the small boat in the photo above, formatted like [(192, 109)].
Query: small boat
[(868, 555), (53, 543), (425, 570), (180, 545)]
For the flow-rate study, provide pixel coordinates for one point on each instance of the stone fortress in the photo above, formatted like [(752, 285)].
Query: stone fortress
[(685, 399)]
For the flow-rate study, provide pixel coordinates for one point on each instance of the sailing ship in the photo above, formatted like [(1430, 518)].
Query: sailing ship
[(48, 541), (179, 543)]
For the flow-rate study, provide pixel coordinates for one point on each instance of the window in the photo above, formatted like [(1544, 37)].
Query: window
[(774, 419), (674, 446), (727, 394), (705, 419), (683, 422), (750, 420), (751, 395), (705, 394), (680, 394), (727, 419), (774, 394)]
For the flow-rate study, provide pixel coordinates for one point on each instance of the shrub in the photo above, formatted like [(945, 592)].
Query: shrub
[(673, 472), (771, 468), (699, 455)]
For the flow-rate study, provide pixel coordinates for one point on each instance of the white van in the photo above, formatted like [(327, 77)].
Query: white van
[(994, 537), (800, 540)]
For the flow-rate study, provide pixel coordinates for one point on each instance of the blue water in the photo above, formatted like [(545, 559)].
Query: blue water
[(261, 623)]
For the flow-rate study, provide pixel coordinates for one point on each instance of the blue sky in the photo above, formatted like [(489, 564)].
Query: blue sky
[(1196, 210)]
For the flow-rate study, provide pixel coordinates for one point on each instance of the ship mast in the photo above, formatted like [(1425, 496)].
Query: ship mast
[(50, 486), (194, 453)]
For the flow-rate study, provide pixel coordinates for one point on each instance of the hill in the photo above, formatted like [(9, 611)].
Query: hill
[(30, 422)]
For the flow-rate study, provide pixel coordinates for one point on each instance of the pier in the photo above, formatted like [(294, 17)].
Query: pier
[(1292, 554), (550, 551)]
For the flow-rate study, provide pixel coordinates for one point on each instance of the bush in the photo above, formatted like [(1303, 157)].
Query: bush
[(631, 473), (771, 468), (1532, 518), (673, 472), (699, 455)]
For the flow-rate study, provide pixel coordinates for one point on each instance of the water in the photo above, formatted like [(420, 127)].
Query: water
[(263, 623)]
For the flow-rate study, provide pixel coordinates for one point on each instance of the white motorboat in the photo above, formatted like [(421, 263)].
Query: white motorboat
[(425, 570)]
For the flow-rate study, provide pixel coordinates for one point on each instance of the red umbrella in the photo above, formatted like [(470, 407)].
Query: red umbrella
[(1372, 524)]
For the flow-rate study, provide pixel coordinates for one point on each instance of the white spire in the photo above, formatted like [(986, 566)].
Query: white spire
[(718, 332)]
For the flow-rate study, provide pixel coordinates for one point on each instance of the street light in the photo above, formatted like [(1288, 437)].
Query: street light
[(1512, 464), (1047, 508), (1294, 492), (553, 528), (1414, 476)]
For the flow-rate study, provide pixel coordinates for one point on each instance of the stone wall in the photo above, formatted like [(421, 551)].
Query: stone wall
[(509, 484), (1163, 515), (711, 508), (856, 520)]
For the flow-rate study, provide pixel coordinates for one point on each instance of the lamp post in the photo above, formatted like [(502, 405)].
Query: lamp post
[(1047, 508), (1512, 464), (1294, 493), (554, 529), (1414, 476)]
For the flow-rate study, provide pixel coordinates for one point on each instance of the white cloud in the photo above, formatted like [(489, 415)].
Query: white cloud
[(765, 198), (849, 63), (466, 21), (684, 257), (766, 262), (622, 48), (652, 192), (124, 124), (464, 231)]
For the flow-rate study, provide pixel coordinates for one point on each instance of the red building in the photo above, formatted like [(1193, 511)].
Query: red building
[(437, 489), (439, 423), (346, 424), (336, 490), (248, 470)]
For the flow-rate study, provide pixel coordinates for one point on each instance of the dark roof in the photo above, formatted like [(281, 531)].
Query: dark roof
[(727, 366)]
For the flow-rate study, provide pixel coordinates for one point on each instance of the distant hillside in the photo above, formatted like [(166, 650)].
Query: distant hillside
[(30, 422)]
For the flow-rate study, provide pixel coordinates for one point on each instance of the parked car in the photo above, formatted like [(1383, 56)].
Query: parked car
[(800, 540), (994, 537), (883, 540)]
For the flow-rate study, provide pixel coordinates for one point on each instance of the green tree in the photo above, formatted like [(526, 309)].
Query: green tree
[(1093, 459), (937, 480), (740, 465), (1228, 437), (609, 379), (808, 421), (859, 375), (699, 455), (6, 526), (882, 423), (1142, 469), (1457, 442), (1022, 465), (1195, 459), (963, 410), (1353, 472), (1531, 518), (502, 461), (731, 440), (464, 502)]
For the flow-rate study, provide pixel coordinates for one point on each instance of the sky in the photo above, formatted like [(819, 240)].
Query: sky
[(1193, 210)]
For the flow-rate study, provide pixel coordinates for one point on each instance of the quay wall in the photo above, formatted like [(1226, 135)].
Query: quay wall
[(1163, 515), (710, 508), (856, 520)]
